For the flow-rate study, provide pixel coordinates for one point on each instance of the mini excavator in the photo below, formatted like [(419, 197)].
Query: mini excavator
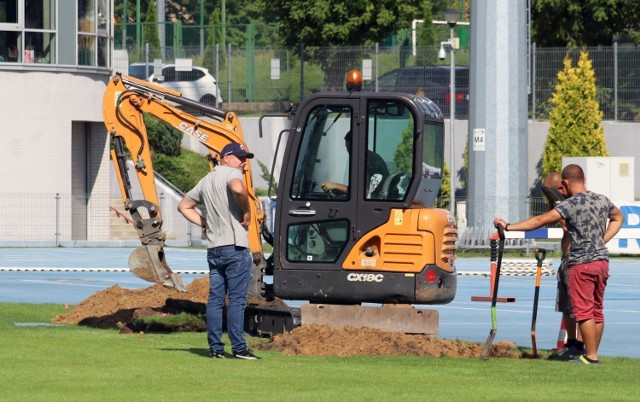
[(353, 257)]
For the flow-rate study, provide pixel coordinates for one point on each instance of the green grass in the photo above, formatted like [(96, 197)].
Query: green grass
[(71, 363)]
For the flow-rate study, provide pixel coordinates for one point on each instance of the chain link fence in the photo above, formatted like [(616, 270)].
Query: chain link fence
[(255, 76)]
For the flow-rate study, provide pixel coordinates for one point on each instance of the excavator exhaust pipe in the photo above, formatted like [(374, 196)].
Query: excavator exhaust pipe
[(148, 263)]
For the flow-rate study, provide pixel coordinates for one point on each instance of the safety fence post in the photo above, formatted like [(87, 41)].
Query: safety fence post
[(58, 198)]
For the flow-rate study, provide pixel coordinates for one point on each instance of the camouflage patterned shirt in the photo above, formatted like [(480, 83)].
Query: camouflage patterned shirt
[(586, 215)]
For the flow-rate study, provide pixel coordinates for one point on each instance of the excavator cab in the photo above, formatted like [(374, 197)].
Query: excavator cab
[(377, 239)]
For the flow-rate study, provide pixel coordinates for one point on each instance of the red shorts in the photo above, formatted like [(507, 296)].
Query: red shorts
[(586, 289)]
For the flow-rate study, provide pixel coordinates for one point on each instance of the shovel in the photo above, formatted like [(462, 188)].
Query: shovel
[(540, 255), (494, 296)]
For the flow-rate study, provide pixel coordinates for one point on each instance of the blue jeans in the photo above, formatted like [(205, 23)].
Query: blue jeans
[(229, 270)]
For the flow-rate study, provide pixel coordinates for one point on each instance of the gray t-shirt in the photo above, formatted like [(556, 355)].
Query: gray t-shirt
[(222, 212), (586, 215)]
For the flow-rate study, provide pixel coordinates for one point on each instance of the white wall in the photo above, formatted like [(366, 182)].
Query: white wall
[(36, 111), (36, 154)]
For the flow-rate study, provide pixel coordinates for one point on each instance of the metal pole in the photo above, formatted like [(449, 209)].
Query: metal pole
[(452, 120), (138, 30), (58, 219), (189, 240), (615, 81), (202, 28), (124, 25), (533, 81), (229, 79), (218, 92), (301, 71), (377, 64), (224, 23)]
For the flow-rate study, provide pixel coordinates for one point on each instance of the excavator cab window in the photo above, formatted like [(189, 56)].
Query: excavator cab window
[(390, 152), (317, 242), (324, 153), (432, 163)]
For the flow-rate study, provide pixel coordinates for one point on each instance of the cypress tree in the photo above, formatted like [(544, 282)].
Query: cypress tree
[(150, 31), (575, 119)]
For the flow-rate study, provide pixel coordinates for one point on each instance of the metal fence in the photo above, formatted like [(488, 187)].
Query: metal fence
[(247, 75), (53, 220)]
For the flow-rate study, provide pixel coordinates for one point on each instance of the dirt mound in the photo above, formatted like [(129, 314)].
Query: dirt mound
[(120, 307), (320, 340), (116, 307)]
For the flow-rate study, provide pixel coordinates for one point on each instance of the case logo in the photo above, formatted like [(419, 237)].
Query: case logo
[(192, 131)]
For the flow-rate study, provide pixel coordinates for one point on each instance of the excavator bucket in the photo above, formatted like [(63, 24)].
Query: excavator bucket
[(148, 263), (389, 318)]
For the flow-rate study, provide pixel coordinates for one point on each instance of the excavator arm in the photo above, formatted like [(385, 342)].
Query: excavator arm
[(125, 101)]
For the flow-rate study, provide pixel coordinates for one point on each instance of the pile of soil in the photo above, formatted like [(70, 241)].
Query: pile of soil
[(321, 340), (116, 307), (120, 307)]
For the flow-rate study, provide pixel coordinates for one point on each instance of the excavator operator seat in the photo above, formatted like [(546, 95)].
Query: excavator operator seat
[(395, 186)]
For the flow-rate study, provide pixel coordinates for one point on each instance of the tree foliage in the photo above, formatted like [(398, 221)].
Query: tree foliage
[(339, 22), (576, 23), (426, 36), (214, 38), (575, 120), (403, 159), (150, 31)]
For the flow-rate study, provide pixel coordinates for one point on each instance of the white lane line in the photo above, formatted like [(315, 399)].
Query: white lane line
[(76, 269), (65, 283)]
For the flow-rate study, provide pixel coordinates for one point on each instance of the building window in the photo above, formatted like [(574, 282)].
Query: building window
[(93, 33), (27, 37), (9, 11)]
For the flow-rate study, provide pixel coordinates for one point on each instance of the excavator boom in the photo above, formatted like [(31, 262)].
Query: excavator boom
[(125, 102)]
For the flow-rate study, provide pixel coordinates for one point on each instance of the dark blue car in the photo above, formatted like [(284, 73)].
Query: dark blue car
[(430, 81)]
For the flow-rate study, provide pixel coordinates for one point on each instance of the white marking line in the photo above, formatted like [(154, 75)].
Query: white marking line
[(503, 310), (62, 269), (65, 283), (509, 309), (74, 269)]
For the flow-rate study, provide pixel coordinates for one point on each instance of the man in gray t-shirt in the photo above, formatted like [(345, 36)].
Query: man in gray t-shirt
[(586, 215), (228, 214)]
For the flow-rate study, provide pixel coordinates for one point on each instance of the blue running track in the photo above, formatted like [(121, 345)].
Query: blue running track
[(70, 275)]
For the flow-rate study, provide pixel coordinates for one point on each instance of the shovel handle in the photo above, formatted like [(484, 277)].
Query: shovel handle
[(540, 254), (500, 232)]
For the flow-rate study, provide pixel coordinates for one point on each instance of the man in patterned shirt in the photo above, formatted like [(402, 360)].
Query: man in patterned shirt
[(586, 214), (555, 193)]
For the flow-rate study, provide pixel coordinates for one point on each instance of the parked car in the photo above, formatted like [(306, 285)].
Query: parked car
[(430, 81), (137, 70), (196, 84)]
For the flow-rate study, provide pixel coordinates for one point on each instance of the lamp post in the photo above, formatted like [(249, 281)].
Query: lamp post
[(451, 16)]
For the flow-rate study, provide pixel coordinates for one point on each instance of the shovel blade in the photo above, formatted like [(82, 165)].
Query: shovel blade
[(487, 344), (148, 263)]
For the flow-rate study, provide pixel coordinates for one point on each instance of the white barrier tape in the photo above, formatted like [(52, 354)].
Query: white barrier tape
[(73, 269), (507, 273)]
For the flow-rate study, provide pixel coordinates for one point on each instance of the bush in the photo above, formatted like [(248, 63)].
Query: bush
[(163, 138)]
